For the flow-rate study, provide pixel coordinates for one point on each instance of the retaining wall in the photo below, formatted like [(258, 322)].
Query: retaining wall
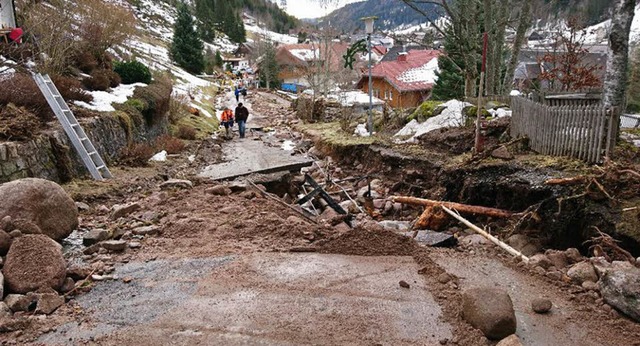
[(51, 155)]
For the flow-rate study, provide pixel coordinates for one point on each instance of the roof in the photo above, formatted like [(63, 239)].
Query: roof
[(303, 53), (392, 54), (415, 74)]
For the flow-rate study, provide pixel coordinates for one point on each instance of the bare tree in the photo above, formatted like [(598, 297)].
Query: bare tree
[(616, 76), (524, 22)]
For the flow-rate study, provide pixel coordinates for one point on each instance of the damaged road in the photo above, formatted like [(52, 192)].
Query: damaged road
[(206, 262)]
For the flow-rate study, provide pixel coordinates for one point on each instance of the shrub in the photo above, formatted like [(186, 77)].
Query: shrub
[(85, 61), (169, 143), (71, 89), (136, 154), (138, 104), (133, 72), (99, 80), (18, 123), (114, 78), (22, 91), (186, 132), (157, 96), (178, 108), (103, 25)]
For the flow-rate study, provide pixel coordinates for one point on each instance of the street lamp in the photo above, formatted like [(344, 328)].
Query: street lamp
[(368, 28)]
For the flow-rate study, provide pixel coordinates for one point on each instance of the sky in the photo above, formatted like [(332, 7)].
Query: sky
[(312, 8)]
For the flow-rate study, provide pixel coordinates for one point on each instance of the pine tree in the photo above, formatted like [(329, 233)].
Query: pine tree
[(450, 83), (186, 48), (218, 59), (205, 13), (269, 69)]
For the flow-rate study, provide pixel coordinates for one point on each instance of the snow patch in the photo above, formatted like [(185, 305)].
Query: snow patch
[(451, 116), (361, 130), (425, 73), (102, 100), (288, 145), (159, 157)]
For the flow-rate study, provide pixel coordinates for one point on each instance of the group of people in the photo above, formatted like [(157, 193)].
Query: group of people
[(228, 118)]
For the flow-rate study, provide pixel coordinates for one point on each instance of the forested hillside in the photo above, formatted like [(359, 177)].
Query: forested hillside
[(395, 13)]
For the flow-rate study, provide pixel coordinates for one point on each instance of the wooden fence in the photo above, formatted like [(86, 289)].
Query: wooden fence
[(584, 132)]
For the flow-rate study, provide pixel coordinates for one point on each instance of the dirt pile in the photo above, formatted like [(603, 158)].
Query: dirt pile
[(364, 242)]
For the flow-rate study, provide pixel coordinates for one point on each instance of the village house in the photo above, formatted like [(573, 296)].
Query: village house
[(406, 81), (301, 65)]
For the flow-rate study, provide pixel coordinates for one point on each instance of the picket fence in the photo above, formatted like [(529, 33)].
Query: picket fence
[(583, 131)]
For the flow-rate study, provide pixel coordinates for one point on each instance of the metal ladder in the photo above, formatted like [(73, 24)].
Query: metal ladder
[(88, 153)]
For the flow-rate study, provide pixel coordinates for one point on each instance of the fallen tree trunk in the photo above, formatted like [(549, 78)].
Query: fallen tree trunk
[(491, 238), (463, 208), (566, 181)]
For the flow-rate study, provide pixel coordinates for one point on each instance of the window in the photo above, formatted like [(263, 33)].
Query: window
[(376, 93)]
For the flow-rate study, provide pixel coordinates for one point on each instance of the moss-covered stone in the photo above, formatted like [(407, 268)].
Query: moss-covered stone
[(425, 111)]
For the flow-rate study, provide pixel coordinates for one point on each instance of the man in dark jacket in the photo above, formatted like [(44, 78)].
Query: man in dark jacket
[(242, 114)]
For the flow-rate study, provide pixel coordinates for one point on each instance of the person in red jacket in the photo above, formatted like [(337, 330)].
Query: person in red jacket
[(226, 120)]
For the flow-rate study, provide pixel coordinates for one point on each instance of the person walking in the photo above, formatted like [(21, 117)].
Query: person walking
[(226, 120), (242, 114), (237, 93)]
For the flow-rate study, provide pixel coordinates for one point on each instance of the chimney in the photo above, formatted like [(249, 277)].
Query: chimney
[(402, 56)]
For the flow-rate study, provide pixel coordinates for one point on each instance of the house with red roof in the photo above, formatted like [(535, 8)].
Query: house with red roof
[(302, 65), (406, 81)]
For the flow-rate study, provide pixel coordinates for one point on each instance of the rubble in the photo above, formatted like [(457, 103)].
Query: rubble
[(121, 210), (95, 236), (620, 288)]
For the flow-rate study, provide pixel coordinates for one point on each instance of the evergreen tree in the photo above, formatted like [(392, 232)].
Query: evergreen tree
[(218, 59), (186, 48), (450, 83), (269, 69), (205, 13)]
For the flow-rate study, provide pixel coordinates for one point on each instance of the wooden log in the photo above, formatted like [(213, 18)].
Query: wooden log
[(491, 238), (432, 218), (463, 208), (566, 181)]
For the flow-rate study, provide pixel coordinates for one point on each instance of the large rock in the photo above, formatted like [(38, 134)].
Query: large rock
[(39, 202), (5, 242), (490, 310), (511, 340), (34, 262), (20, 302), (620, 288), (48, 303), (581, 272)]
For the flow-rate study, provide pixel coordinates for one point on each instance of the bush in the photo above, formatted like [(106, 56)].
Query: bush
[(178, 108), (169, 143), (71, 89), (133, 72), (85, 61), (99, 81), (157, 96), (22, 91), (186, 132), (136, 154), (18, 123), (138, 104)]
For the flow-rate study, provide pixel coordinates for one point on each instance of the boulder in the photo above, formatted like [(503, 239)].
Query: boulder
[(540, 260), (39, 202), (573, 255), (490, 310), (557, 258), (541, 305), (176, 184), (122, 210), (581, 272), (34, 262), (115, 245), (48, 303), (218, 190), (20, 302), (502, 153), (523, 244), (146, 230), (4, 310), (5, 242), (474, 240), (620, 288), (511, 340), (95, 236)]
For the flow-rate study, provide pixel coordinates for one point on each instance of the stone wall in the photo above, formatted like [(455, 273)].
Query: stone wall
[(51, 155)]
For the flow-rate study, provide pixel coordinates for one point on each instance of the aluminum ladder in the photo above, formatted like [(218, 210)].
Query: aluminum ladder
[(88, 153)]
